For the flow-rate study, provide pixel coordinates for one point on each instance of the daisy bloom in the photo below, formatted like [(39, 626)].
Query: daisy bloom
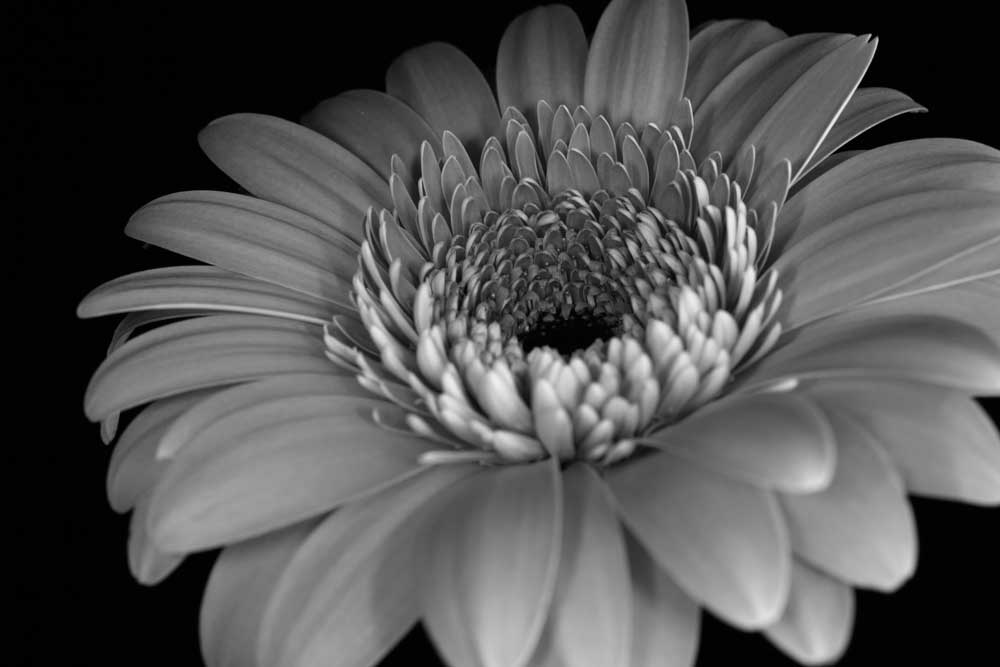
[(553, 367)]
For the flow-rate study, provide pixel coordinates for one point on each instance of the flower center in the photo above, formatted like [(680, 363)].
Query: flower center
[(516, 320)]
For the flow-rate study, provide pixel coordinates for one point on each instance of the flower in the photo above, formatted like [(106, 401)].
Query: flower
[(551, 380)]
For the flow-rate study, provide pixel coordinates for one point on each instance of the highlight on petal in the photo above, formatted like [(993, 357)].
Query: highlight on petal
[(492, 559), (351, 591), (724, 542), (860, 528), (242, 581), (780, 441), (817, 622), (638, 61), (542, 56), (590, 622), (448, 90), (941, 441), (148, 563)]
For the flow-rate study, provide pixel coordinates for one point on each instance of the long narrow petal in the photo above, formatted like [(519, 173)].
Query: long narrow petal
[(782, 441), (817, 622), (747, 93), (278, 472), (860, 528), (722, 541), (350, 593), (638, 61), (942, 441), (925, 240), (133, 469), (798, 122), (201, 288), (448, 90), (542, 56), (287, 163), (238, 590), (590, 623), (374, 126), (666, 623), (862, 345), (884, 173), (201, 353), (246, 236), (721, 47), (867, 108), (146, 561), (492, 561)]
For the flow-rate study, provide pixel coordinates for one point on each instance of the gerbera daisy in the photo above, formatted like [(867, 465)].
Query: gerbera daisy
[(550, 371)]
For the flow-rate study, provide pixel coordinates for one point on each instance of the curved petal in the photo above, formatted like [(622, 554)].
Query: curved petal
[(492, 561), (273, 474), (147, 562), (287, 163), (817, 623), (722, 541), (250, 237), (374, 126), (738, 103), (638, 61), (201, 288), (542, 56), (200, 353), (666, 623), (868, 345), (782, 441), (590, 623), (797, 123), (910, 242), (867, 108), (860, 528), (350, 592), (448, 90), (940, 440), (133, 469), (241, 583), (719, 48)]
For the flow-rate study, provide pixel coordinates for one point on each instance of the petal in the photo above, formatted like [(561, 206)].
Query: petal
[(884, 173), (941, 441), (237, 593), (860, 528), (289, 164), (638, 61), (858, 344), (134, 469), (867, 108), (816, 626), (542, 56), (272, 473), (909, 242), (248, 236), (722, 541), (719, 48), (796, 124), (781, 441), (745, 96), (147, 562), (374, 126), (492, 561), (200, 353), (201, 288), (665, 622), (448, 90), (590, 623), (350, 593)]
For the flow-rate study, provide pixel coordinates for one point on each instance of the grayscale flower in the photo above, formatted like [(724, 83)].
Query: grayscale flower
[(552, 370)]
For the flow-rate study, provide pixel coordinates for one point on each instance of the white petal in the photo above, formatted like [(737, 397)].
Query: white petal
[(147, 562)]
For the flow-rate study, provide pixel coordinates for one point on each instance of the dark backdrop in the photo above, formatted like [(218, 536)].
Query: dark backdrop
[(109, 100)]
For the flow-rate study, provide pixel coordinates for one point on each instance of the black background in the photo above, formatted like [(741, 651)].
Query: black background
[(108, 101)]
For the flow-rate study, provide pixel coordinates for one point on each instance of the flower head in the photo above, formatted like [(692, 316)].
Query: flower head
[(551, 370)]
